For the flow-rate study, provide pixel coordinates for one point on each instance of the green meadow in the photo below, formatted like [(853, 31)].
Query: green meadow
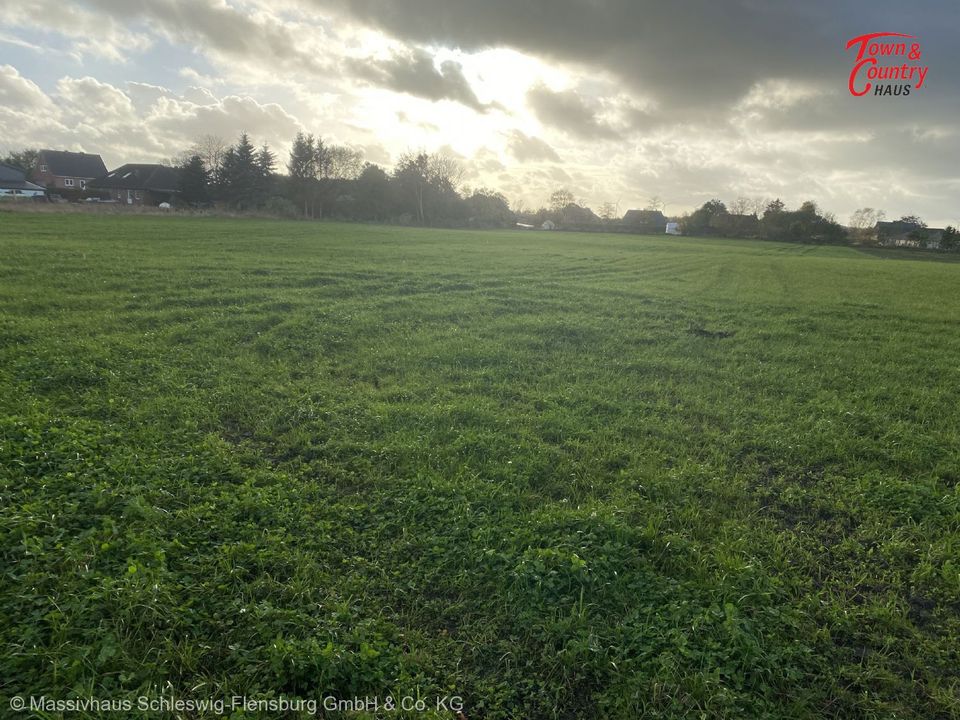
[(555, 475)]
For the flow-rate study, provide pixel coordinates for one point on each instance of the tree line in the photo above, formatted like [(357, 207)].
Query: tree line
[(325, 180), (805, 224), (771, 220)]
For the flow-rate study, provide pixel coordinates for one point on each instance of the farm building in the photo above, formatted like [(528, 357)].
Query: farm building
[(14, 183), (900, 233), (139, 184), (644, 221), (68, 171)]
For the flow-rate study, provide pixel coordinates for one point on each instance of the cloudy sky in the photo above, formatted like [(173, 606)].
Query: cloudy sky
[(617, 100)]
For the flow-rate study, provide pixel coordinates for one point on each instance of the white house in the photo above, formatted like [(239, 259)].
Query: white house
[(673, 228), (548, 225)]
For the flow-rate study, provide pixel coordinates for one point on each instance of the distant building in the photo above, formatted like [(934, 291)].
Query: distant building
[(652, 222), (548, 225), (139, 184), (899, 233), (673, 228), (14, 183), (70, 171)]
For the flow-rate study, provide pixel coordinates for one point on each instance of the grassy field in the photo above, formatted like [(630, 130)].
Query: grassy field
[(558, 475)]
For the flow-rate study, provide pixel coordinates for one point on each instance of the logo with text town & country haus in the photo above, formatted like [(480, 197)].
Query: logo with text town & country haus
[(886, 64)]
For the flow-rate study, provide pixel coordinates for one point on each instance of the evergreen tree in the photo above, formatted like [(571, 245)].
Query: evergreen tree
[(241, 175), (194, 182), (302, 167), (266, 162), (223, 178)]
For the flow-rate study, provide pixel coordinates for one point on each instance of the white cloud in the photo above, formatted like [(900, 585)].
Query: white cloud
[(18, 42), (199, 79), (142, 123), (90, 33), (20, 95)]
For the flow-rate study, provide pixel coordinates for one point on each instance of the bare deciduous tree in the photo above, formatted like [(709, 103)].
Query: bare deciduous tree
[(610, 211), (444, 170), (740, 206), (212, 149), (560, 198), (863, 222), (758, 205), (433, 177), (865, 218), (343, 163)]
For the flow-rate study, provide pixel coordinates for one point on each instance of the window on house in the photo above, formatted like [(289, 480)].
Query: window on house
[(43, 168), (137, 195), (83, 184), (68, 182)]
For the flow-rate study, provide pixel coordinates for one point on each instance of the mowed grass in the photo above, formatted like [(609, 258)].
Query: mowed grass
[(559, 475)]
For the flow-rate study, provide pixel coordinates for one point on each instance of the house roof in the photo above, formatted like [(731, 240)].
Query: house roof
[(644, 217), (901, 229), (63, 163), (139, 176), (897, 226), (13, 178), (9, 173)]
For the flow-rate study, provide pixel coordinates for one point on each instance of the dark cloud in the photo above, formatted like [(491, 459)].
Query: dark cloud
[(415, 73), (569, 112), (216, 26), (526, 148), (839, 113), (699, 62), (637, 119), (703, 52), (689, 56)]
